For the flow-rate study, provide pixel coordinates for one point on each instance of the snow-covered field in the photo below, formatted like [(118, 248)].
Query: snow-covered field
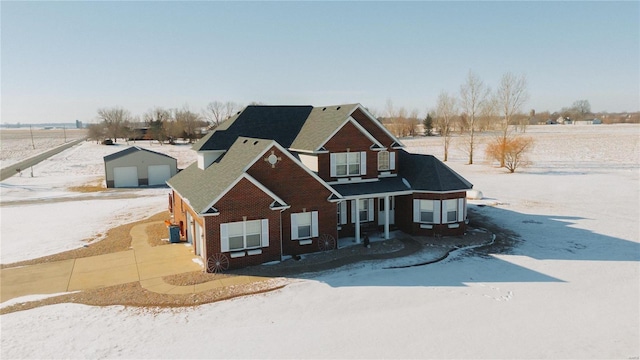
[(19, 144), (569, 288)]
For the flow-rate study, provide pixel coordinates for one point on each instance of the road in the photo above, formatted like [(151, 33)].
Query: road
[(25, 164)]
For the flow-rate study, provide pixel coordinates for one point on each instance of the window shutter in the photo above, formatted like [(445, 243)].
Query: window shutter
[(265, 233), (461, 209), (416, 210), (343, 212), (363, 163), (353, 211), (392, 160), (443, 219), (294, 227), (370, 212), (333, 165), (314, 224), (224, 238), (436, 211)]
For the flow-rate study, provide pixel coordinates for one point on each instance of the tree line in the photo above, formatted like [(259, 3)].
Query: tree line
[(158, 123)]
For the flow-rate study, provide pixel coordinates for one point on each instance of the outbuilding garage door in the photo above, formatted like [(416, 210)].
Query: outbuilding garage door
[(158, 174), (125, 176)]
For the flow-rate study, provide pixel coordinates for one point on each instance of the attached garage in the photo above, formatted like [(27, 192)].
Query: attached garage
[(135, 166)]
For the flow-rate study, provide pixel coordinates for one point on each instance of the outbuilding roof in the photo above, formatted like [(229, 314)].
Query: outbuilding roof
[(131, 150)]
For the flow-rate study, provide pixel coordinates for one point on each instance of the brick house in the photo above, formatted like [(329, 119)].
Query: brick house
[(288, 180)]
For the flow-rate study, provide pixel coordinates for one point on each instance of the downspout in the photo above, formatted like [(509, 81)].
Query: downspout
[(281, 251)]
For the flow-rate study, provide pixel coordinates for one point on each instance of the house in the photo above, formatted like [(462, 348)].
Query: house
[(287, 180), (134, 166)]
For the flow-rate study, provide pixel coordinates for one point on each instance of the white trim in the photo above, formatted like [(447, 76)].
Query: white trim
[(358, 126), (332, 165), (392, 160), (254, 252), (377, 123), (237, 254), (353, 179), (438, 192), (461, 209), (343, 213), (305, 242), (314, 224), (264, 236), (294, 226), (224, 238), (366, 196), (371, 210), (235, 182)]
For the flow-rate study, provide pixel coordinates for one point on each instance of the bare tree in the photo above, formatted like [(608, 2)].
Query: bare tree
[(581, 108), (157, 119), (96, 132), (216, 111), (510, 96), (473, 96), (187, 122), (114, 119), (446, 111)]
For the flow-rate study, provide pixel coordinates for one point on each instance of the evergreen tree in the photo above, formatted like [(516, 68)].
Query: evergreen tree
[(428, 125)]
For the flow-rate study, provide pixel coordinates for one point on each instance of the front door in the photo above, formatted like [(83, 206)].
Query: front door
[(392, 207)]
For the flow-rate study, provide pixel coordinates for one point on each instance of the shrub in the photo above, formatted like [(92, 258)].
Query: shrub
[(512, 150)]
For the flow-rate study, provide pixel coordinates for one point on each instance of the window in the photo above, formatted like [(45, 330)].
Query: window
[(426, 211), (348, 164), (304, 225), (383, 160), (243, 235), (450, 208), (365, 209)]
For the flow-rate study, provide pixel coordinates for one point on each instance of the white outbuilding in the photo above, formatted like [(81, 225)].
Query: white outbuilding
[(135, 167)]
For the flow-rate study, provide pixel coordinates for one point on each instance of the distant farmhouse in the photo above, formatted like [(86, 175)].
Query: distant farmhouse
[(288, 180)]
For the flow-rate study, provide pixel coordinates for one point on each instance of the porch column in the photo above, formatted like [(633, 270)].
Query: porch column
[(386, 217), (357, 219)]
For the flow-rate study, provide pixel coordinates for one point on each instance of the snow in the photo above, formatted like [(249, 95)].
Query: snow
[(568, 288)]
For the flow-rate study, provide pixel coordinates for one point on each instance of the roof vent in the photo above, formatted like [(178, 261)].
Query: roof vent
[(238, 113), (338, 108), (255, 142), (323, 109), (245, 141)]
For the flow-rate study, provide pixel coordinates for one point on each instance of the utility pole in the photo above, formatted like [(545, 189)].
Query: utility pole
[(32, 143)]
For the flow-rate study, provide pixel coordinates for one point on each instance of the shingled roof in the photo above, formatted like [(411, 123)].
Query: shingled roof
[(320, 125), (202, 187), (279, 123), (427, 173)]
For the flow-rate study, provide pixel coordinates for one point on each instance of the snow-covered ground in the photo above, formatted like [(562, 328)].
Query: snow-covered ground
[(569, 288), (41, 216)]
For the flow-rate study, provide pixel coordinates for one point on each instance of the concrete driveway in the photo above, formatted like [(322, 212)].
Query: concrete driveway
[(142, 263)]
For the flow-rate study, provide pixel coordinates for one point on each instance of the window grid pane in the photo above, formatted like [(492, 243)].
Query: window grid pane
[(383, 160), (236, 243)]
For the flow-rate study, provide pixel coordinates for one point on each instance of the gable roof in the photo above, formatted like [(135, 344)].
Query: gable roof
[(320, 125), (202, 187), (279, 123), (427, 173), (131, 150)]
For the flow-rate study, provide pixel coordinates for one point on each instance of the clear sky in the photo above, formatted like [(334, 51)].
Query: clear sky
[(61, 61)]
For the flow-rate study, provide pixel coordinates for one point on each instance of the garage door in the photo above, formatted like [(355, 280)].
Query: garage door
[(158, 174), (125, 176)]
